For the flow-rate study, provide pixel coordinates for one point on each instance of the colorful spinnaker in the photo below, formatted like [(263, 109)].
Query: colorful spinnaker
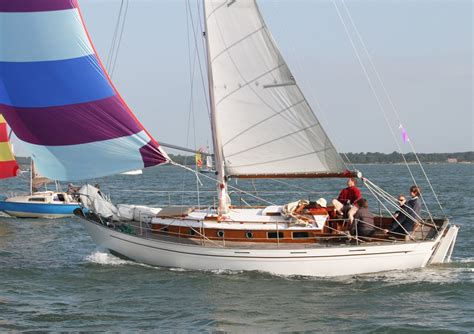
[(58, 99), (8, 164)]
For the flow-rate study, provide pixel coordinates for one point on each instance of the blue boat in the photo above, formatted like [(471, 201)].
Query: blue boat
[(47, 204)]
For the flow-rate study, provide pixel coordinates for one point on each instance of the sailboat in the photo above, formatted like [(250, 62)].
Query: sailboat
[(206, 168), (40, 204), (262, 127), (44, 204)]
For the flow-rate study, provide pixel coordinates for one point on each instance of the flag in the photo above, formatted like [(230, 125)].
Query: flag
[(404, 134), (199, 159)]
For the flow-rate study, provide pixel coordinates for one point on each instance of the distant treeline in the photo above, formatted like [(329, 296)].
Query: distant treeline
[(356, 158), (377, 158), (187, 160), (395, 157)]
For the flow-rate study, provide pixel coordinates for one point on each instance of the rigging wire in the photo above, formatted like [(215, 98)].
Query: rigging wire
[(198, 56), (200, 17), (191, 113), (392, 104), (228, 185), (385, 207), (114, 63), (379, 102), (117, 38), (114, 39)]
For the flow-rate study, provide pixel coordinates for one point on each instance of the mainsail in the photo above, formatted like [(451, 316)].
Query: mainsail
[(37, 180), (58, 99), (8, 164), (265, 124)]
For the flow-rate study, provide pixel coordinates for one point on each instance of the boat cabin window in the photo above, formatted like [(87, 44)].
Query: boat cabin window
[(273, 235), (36, 199), (297, 235), (59, 198)]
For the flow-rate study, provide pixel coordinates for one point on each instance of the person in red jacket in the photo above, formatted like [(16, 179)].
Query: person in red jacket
[(344, 204)]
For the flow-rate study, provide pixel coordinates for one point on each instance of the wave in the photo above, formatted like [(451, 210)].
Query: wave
[(105, 258), (462, 260)]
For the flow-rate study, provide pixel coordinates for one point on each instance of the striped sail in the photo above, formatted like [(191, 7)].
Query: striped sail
[(58, 99), (8, 164), (266, 126)]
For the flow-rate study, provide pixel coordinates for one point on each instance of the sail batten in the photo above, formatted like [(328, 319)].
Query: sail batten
[(58, 98), (266, 124)]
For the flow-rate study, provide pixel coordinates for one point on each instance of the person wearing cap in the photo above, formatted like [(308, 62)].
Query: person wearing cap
[(318, 207), (321, 205)]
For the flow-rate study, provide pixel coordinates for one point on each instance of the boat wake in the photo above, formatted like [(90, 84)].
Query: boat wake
[(104, 258), (463, 260)]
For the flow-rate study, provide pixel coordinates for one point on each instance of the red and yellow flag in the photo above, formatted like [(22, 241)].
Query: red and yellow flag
[(199, 158), (8, 164)]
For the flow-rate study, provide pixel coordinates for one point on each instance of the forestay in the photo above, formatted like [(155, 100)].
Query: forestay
[(58, 99), (266, 125)]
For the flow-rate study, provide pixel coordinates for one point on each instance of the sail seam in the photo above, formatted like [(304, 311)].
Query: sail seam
[(216, 9), (263, 121), (276, 160), (227, 48), (275, 139), (248, 83)]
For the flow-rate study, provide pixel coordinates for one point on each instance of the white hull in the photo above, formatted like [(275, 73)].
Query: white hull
[(316, 261), (20, 214)]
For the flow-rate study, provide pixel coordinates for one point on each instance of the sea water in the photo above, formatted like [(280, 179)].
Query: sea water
[(53, 278)]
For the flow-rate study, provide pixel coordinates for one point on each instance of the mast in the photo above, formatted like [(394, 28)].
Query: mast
[(31, 175), (224, 199)]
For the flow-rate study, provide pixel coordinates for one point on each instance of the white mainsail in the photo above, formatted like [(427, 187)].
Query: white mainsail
[(266, 125)]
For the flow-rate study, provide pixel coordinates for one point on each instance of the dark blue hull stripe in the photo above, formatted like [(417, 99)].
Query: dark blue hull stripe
[(43, 208)]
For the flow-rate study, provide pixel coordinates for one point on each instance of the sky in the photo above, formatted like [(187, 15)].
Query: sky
[(422, 50)]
